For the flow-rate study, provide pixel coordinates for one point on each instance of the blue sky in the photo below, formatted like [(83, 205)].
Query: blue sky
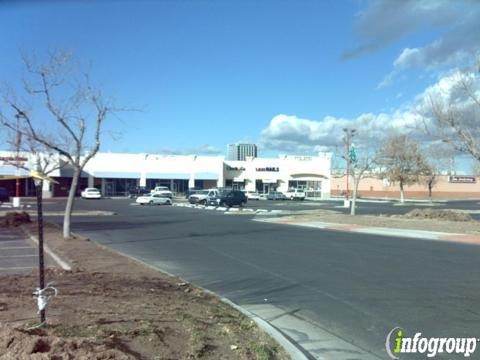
[(207, 73)]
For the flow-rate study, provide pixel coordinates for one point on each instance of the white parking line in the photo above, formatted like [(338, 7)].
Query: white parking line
[(12, 256), (16, 247)]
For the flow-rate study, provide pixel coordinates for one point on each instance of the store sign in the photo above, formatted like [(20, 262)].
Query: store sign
[(303, 158), (275, 169), (462, 179), (12, 160)]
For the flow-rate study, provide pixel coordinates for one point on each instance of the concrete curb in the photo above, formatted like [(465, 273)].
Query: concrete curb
[(391, 232), (291, 348), (230, 211), (295, 352), (62, 263)]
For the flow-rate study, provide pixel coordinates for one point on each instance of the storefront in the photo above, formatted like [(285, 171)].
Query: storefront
[(115, 174)]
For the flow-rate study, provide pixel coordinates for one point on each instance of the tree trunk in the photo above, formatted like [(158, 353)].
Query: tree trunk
[(69, 207), (354, 195), (402, 195), (430, 186)]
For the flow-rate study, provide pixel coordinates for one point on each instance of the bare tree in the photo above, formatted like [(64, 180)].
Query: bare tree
[(64, 114), (401, 161), (453, 115), (437, 159)]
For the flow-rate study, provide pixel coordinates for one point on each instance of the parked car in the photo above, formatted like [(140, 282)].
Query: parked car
[(229, 198), (252, 195), (91, 193), (202, 196), (154, 199), (4, 196), (276, 195), (192, 191), (295, 194), (137, 191), (162, 190)]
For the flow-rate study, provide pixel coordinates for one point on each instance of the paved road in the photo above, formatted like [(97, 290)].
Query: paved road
[(17, 254), (356, 287)]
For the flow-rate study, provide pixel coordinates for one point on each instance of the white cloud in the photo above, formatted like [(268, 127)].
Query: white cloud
[(385, 21), (293, 134)]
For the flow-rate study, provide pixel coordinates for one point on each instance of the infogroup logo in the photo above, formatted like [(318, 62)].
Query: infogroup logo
[(398, 343)]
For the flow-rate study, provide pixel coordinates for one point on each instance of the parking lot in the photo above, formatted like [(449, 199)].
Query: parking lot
[(17, 254), (364, 207), (302, 280)]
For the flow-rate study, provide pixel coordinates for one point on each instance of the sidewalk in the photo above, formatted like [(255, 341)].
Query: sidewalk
[(384, 231)]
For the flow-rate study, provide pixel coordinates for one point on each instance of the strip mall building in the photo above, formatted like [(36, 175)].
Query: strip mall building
[(115, 173), (445, 187)]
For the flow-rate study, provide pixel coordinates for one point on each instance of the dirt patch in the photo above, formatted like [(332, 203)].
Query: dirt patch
[(14, 218), (436, 214), (111, 307)]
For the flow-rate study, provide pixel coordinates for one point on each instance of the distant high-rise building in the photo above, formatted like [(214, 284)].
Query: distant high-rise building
[(241, 151)]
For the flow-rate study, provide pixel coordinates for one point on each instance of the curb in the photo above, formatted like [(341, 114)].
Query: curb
[(383, 231), (294, 351), (230, 211), (62, 263)]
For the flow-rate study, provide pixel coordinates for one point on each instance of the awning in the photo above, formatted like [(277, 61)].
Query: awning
[(116, 175), (167, 176), (206, 176), (12, 170)]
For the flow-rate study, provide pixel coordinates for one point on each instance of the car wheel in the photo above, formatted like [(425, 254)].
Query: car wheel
[(150, 202), (242, 204), (168, 202)]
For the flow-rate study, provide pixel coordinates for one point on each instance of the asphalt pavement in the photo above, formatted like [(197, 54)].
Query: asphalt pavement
[(17, 254), (355, 287)]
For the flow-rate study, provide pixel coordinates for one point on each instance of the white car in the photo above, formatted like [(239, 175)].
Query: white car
[(252, 195), (91, 193), (295, 194), (162, 190), (202, 196), (154, 199)]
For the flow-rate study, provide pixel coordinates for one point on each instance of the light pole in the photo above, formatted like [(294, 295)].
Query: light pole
[(347, 139), (17, 157)]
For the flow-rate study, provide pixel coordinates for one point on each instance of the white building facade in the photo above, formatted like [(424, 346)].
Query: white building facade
[(116, 173)]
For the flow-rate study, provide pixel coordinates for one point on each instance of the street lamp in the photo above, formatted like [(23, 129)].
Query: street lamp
[(347, 139)]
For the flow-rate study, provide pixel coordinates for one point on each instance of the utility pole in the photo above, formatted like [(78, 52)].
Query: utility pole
[(17, 157), (347, 140)]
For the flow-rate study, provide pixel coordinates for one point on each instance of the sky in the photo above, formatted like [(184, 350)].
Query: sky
[(287, 75)]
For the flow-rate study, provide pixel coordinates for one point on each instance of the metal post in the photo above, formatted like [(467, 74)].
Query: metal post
[(348, 164), (349, 133), (41, 265), (17, 157)]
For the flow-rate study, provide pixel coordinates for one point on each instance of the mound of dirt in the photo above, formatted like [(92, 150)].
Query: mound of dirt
[(13, 218), (437, 214), (39, 345)]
